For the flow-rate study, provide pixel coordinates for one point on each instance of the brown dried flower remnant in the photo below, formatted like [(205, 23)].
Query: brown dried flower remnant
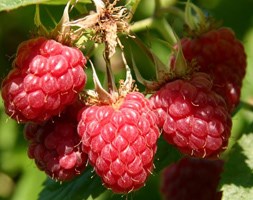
[(105, 24)]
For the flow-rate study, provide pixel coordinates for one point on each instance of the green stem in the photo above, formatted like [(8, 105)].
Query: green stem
[(160, 25), (173, 10), (41, 28), (158, 6), (166, 30), (111, 86), (132, 6), (181, 67), (142, 25), (244, 105)]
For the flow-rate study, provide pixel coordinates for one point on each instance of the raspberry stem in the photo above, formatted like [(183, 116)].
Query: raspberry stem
[(41, 28), (132, 5), (111, 86), (166, 30)]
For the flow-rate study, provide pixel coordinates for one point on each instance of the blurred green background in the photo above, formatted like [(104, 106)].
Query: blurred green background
[(19, 177)]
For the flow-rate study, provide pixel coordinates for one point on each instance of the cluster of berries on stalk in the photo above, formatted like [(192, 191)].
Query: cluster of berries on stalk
[(116, 131), (195, 108)]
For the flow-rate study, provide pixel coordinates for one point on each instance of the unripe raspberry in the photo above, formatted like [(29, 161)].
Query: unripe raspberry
[(55, 146), (120, 140), (46, 77), (193, 118), (220, 54), (192, 179)]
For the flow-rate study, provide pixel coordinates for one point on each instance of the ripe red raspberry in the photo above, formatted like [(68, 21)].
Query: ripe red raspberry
[(55, 146), (120, 140), (47, 76), (221, 55), (192, 179), (193, 117)]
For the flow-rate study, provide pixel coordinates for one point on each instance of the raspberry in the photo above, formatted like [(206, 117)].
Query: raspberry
[(46, 77), (192, 179), (120, 140), (221, 55), (193, 117), (55, 147)]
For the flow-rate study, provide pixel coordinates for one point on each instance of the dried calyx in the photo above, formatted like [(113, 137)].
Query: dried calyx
[(164, 73), (104, 25), (60, 33), (101, 96), (197, 22)]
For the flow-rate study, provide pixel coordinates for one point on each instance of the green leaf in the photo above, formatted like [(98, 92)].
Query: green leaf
[(237, 179), (13, 4), (84, 186)]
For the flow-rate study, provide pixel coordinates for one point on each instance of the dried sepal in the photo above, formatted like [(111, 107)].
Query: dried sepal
[(100, 95), (62, 33), (197, 22), (127, 85)]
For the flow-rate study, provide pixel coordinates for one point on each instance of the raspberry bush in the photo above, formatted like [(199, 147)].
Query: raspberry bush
[(125, 99)]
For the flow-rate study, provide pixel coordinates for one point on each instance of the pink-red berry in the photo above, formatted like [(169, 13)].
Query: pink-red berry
[(220, 54), (120, 140), (192, 179), (46, 77), (193, 117), (55, 146)]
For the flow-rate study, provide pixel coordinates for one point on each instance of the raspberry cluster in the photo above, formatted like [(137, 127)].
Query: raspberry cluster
[(116, 130), (195, 112), (118, 139)]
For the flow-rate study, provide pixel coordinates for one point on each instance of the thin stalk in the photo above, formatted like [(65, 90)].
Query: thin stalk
[(158, 6), (173, 10), (160, 25), (132, 6), (166, 30), (142, 25), (243, 105), (111, 86), (41, 28)]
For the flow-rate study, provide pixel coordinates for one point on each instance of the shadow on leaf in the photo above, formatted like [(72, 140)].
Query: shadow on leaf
[(81, 187)]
